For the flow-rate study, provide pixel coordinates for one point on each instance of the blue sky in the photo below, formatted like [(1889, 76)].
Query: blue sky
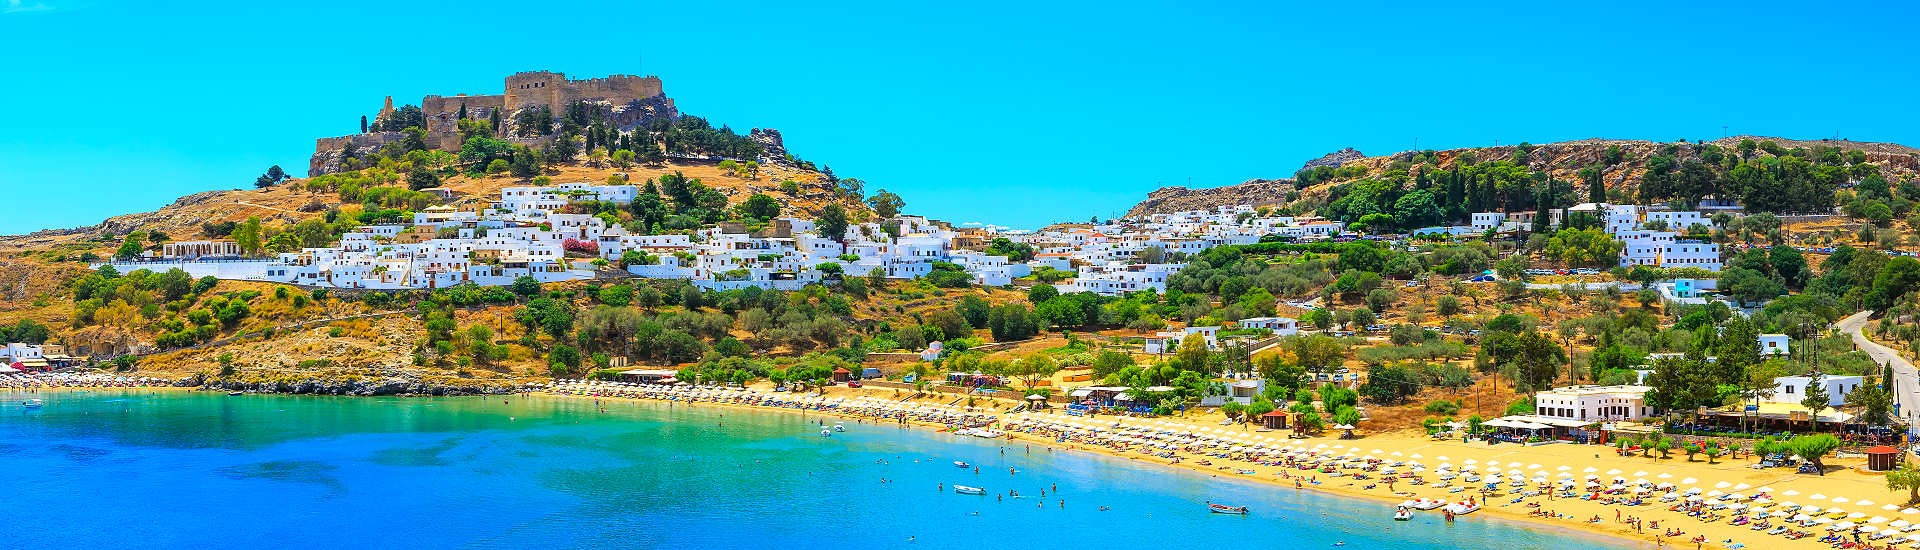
[(1018, 113)]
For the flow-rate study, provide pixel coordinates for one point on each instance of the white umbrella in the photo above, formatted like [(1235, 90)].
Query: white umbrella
[(1664, 475), (1689, 481), (1722, 485), (1842, 500), (1909, 511), (1818, 496), (1789, 492), (1590, 469)]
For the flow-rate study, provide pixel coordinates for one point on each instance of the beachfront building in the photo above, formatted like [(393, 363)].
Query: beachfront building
[(1793, 389), (1593, 403)]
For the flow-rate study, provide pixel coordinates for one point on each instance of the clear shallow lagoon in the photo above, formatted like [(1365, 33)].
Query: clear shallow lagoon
[(117, 469)]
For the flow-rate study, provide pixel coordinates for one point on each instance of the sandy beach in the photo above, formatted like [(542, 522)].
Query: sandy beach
[(1860, 495)]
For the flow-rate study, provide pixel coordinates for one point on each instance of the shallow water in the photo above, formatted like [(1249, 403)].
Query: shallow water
[(114, 469)]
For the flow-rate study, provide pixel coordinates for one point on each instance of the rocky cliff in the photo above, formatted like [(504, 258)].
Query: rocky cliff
[(1257, 192)]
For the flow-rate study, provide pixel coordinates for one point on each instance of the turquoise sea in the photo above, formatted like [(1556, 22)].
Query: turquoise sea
[(169, 469)]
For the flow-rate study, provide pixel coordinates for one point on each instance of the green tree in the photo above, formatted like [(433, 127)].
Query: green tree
[(247, 236), (1812, 448), (131, 247), (760, 206), (526, 285), (1816, 398), (886, 204), (832, 222)]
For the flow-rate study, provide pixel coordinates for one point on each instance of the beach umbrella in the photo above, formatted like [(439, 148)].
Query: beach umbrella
[(1564, 468), (1590, 469), (1843, 525), (1855, 515), (1877, 519), (1471, 461), (1664, 475), (1789, 492), (1689, 481), (1890, 507), (1741, 486), (1818, 496), (1722, 485), (1842, 500), (1613, 472), (1533, 466), (1863, 503), (1909, 511), (1641, 473)]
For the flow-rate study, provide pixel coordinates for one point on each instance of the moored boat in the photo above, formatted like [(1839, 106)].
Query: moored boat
[(1463, 507), (32, 403), (965, 490), (1402, 514), (959, 464), (1224, 509)]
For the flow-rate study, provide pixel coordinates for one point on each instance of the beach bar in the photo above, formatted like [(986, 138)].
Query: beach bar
[(1274, 420), (651, 376)]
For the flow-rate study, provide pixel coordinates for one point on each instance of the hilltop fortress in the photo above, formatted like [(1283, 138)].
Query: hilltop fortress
[(628, 100)]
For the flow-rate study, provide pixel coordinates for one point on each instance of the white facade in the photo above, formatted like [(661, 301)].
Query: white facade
[(1666, 249), (1281, 326), (1792, 389), (1593, 403), (1775, 344)]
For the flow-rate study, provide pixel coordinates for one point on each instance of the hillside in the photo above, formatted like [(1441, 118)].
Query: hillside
[(1560, 160), (289, 203)]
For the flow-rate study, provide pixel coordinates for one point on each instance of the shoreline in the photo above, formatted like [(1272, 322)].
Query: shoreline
[(1542, 524), (1500, 508)]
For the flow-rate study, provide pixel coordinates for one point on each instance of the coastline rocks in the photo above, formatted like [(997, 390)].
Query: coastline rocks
[(358, 387)]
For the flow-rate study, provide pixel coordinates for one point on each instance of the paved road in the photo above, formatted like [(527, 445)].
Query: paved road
[(1906, 381)]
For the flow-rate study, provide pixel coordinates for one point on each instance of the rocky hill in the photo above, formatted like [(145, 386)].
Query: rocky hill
[(1561, 160), (1257, 192)]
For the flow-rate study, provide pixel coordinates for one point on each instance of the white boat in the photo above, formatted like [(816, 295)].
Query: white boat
[(838, 427), (959, 464), (1428, 503), (824, 432), (1402, 514), (989, 434), (1463, 508), (965, 490), (32, 403)]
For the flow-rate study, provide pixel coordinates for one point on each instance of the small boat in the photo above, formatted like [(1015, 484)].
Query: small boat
[(838, 427), (965, 490), (1224, 509), (1463, 508), (824, 432), (1402, 514), (959, 464), (236, 392), (32, 403)]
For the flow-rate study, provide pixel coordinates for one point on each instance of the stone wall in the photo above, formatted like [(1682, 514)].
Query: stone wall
[(628, 100), (329, 151)]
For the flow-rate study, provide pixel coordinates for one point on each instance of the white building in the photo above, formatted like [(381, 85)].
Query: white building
[(1775, 344), (1666, 249), (1281, 326), (1792, 389), (1593, 403)]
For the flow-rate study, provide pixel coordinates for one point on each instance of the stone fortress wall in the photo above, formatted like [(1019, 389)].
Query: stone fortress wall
[(523, 90)]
